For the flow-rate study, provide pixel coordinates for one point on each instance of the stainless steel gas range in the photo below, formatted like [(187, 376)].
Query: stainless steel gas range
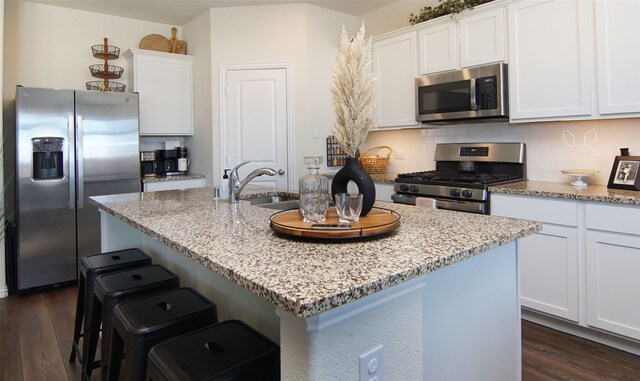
[(464, 172)]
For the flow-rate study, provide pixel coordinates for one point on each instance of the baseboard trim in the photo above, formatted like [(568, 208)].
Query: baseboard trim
[(607, 339)]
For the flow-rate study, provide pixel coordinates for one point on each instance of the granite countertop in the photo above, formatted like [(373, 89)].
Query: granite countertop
[(155, 179), (307, 277), (599, 193)]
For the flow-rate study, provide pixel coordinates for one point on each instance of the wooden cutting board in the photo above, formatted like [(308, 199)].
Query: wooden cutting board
[(378, 221), (155, 42)]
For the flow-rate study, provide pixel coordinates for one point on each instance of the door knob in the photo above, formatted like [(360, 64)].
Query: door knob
[(281, 172)]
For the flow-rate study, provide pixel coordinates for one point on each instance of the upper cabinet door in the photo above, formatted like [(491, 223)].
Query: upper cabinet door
[(549, 59), (618, 47), (438, 47), (482, 38), (164, 82), (395, 62)]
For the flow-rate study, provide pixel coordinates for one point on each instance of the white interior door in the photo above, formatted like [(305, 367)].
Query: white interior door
[(256, 103)]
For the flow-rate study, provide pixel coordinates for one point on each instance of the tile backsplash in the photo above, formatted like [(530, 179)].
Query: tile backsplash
[(551, 146)]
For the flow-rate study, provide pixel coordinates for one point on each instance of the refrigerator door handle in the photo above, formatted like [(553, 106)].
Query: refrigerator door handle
[(70, 160), (80, 161)]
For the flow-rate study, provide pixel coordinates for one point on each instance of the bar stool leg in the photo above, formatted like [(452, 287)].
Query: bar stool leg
[(91, 339), (78, 321), (115, 357)]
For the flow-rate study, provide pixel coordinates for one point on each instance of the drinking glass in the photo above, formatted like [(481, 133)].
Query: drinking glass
[(348, 206)]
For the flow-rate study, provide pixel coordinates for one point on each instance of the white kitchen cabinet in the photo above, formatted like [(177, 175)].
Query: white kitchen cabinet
[(165, 84), (549, 59), (582, 267), (438, 49), (549, 271), (474, 37), (173, 185), (384, 191), (482, 37), (618, 58), (613, 269), (395, 62)]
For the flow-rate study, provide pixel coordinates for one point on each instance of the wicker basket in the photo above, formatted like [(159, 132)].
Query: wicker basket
[(116, 87), (375, 163)]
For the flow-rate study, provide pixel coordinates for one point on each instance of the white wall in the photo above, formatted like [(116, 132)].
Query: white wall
[(393, 16), (203, 145), (301, 34), (51, 46)]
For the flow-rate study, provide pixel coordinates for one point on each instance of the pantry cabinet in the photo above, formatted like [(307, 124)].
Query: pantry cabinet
[(164, 82), (549, 59), (395, 63)]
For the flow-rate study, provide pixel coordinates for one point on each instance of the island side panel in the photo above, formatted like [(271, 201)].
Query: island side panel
[(232, 301), (327, 346), (472, 319)]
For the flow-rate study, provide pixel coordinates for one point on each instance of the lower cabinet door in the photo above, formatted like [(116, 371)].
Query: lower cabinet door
[(549, 271), (613, 283)]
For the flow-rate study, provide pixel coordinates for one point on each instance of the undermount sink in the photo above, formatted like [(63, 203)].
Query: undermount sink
[(279, 202)]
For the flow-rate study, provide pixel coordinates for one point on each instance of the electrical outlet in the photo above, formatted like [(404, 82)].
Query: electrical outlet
[(399, 155), (371, 365)]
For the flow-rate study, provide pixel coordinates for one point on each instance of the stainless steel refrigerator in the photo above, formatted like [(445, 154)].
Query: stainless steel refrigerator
[(70, 145)]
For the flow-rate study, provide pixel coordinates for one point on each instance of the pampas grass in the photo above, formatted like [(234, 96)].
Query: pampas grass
[(352, 92)]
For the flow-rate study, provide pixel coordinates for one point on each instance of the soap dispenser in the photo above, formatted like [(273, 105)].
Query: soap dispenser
[(224, 185)]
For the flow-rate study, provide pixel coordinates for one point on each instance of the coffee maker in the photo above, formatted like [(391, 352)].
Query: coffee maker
[(147, 163), (166, 162), (171, 162)]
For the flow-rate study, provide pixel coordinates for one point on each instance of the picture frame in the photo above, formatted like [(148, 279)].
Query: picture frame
[(625, 173)]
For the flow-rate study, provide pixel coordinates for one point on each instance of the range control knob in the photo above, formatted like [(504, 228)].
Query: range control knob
[(404, 187), (413, 188), (454, 192), (467, 193)]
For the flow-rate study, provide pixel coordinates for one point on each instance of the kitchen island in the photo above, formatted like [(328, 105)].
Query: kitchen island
[(440, 294)]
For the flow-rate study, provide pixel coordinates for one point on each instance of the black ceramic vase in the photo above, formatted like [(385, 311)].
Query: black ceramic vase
[(353, 171)]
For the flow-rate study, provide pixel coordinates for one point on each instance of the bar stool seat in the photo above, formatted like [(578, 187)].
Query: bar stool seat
[(230, 350), (90, 268), (111, 289), (141, 323)]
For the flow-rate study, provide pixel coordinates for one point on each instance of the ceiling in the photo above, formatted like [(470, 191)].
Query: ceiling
[(179, 12)]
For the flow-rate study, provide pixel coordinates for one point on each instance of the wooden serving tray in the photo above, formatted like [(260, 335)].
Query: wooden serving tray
[(378, 221)]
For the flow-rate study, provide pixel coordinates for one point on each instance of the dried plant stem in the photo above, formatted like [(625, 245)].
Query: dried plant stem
[(352, 92)]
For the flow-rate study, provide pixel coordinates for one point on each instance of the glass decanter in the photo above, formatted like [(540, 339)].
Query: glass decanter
[(314, 192)]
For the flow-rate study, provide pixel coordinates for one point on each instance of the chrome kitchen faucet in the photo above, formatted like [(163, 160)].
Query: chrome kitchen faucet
[(236, 186)]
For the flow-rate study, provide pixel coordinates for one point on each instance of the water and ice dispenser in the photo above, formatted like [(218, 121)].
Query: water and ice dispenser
[(47, 158)]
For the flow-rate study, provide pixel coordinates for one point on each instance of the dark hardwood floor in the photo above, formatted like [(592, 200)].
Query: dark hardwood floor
[(36, 332)]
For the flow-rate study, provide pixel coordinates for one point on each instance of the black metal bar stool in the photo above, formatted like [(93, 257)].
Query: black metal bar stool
[(111, 289), (90, 268), (230, 350), (141, 323)]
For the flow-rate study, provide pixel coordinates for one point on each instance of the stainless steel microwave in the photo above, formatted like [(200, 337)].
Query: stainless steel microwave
[(477, 94)]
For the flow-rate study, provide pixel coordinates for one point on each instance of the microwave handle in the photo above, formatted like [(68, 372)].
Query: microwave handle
[(472, 94)]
